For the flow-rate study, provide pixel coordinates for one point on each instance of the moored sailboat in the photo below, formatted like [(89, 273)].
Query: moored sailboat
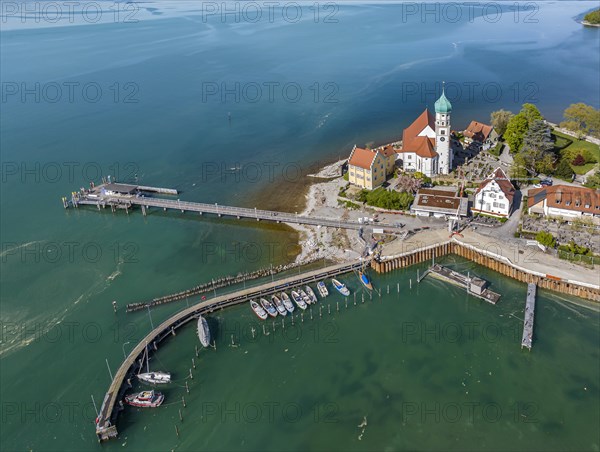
[(156, 377), (203, 331), (365, 280)]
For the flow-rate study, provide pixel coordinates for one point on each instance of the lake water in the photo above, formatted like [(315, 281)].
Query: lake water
[(223, 108)]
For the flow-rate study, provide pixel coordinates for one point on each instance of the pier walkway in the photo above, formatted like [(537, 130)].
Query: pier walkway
[(527, 339), (132, 196), (112, 403)]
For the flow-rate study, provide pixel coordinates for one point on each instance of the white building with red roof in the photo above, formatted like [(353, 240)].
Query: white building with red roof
[(495, 195), (426, 142)]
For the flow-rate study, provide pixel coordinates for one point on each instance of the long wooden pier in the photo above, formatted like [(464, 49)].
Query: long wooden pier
[(112, 404), (122, 196), (527, 339)]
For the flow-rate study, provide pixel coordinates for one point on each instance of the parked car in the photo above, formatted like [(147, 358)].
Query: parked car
[(546, 182), (537, 185)]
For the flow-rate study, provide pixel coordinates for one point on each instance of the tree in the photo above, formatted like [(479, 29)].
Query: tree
[(546, 239), (579, 160), (582, 119), (564, 170), (593, 181), (518, 170), (531, 113), (593, 17), (500, 119), (538, 137), (546, 164), (515, 131)]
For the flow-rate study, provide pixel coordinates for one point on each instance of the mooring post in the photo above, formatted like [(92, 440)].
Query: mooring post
[(187, 388), (180, 415), (193, 363), (191, 375), (177, 431)]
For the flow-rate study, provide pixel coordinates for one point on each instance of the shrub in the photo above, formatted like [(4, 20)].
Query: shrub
[(546, 239), (572, 247), (579, 160), (346, 176), (392, 200)]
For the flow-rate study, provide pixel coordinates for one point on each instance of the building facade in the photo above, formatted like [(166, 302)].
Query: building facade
[(565, 201), (426, 143), (495, 195), (481, 135), (367, 168)]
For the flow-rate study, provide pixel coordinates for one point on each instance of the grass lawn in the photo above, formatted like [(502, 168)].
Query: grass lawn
[(584, 168), (571, 147)]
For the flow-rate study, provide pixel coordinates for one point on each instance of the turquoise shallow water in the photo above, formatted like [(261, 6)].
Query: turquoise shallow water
[(61, 269)]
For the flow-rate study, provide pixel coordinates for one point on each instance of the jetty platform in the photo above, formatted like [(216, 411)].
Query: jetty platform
[(473, 285), (125, 197), (527, 339), (112, 404)]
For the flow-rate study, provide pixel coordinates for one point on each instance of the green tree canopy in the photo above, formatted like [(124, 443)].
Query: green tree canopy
[(593, 17), (531, 113), (564, 170), (499, 120), (538, 137), (593, 181), (546, 239), (515, 131), (582, 119)]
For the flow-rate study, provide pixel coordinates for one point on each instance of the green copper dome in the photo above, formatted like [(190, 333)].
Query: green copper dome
[(443, 105)]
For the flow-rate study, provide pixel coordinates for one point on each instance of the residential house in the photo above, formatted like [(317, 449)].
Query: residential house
[(481, 135), (367, 168), (495, 195), (565, 201)]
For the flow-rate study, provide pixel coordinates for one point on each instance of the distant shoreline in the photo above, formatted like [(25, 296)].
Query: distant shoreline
[(585, 23)]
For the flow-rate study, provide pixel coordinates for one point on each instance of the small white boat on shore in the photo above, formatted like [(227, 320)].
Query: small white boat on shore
[(203, 331), (258, 310), (341, 288), (268, 306), (278, 305), (298, 300), (285, 298), (322, 289), (311, 294)]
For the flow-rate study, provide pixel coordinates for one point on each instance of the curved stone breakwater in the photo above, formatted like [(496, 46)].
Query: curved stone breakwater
[(218, 283)]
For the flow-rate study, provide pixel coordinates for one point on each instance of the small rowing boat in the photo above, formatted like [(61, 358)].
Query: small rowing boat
[(322, 289), (311, 294), (258, 310), (285, 298), (268, 306), (298, 300), (278, 305), (341, 288), (365, 280)]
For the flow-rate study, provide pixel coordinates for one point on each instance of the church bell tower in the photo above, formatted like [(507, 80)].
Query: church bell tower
[(443, 109)]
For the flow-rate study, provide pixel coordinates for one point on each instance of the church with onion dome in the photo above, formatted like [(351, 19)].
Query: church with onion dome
[(426, 143)]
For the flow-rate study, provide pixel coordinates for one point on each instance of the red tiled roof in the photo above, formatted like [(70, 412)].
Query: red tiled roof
[(411, 142), (363, 158), (478, 131), (388, 150), (499, 176), (559, 195)]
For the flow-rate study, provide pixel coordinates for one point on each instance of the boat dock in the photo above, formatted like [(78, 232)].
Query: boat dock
[(473, 285), (527, 339), (125, 197), (112, 404)]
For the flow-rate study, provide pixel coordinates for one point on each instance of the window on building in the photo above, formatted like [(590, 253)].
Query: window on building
[(351, 173), (443, 132), (568, 203)]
